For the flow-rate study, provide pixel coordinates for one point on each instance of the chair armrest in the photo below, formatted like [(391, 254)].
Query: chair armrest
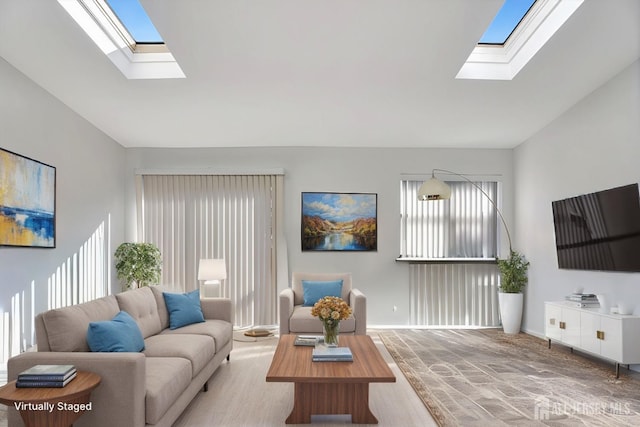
[(119, 399), (286, 309), (217, 308), (358, 302)]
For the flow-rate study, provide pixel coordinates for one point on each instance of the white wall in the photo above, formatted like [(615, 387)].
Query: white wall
[(90, 192), (339, 170), (593, 146)]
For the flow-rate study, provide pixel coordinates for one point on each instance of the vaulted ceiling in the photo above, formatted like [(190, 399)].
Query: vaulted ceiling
[(354, 73)]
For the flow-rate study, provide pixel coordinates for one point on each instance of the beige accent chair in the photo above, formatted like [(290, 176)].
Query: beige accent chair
[(297, 319)]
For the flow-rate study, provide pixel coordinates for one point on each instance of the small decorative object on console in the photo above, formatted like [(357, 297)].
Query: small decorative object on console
[(584, 300)]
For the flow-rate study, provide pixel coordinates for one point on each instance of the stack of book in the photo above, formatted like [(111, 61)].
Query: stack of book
[(584, 300), (332, 354), (46, 376)]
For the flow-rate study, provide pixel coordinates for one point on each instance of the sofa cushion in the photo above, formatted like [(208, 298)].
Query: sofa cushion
[(198, 349), (184, 309), (141, 305), (297, 278), (119, 334), (163, 313), (301, 321), (313, 290), (166, 379), (66, 327), (221, 331)]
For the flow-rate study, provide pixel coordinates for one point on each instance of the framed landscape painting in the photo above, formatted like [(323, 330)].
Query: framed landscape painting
[(339, 222), (27, 202)]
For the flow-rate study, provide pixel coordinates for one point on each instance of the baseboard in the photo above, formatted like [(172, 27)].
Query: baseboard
[(429, 327)]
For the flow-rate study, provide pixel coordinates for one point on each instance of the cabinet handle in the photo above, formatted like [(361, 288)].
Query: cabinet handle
[(563, 325), (552, 321), (600, 335)]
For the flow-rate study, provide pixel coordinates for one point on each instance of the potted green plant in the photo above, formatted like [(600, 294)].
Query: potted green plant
[(513, 279), (138, 264)]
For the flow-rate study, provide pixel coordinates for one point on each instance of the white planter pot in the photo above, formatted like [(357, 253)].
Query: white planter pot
[(511, 311)]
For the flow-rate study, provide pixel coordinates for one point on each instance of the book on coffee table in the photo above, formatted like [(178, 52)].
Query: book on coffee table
[(308, 340), (332, 354)]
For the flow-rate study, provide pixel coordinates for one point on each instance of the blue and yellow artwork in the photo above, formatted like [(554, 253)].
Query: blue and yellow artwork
[(27, 202)]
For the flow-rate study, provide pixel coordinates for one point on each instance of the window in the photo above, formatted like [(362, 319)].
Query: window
[(138, 24), (504, 61), (235, 217), (148, 58), (506, 21), (458, 286), (464, 226)]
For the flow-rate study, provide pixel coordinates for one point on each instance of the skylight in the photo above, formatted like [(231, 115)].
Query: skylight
[(529, 33), (133, 45), (506, 21), (133, 16)]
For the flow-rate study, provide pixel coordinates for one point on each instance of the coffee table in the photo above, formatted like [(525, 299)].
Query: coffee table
[(330, 387)]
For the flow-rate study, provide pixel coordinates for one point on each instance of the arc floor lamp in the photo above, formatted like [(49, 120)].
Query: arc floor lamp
[(434, 189)]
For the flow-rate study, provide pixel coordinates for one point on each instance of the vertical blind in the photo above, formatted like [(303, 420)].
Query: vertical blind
[(460, 293), (464, 226), (235, 217), (454, 294)]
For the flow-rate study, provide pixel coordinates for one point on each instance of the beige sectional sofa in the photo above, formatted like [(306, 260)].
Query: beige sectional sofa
[(152, 387)]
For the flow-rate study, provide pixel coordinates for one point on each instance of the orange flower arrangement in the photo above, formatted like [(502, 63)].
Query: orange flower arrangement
[(331, 309)]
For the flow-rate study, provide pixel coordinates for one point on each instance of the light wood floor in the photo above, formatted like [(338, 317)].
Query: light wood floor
[(239, 395)]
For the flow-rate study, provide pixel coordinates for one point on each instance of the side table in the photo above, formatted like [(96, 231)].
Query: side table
[(55, 407)]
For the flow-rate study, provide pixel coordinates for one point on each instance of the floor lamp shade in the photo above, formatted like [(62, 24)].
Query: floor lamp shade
[(434, 189)]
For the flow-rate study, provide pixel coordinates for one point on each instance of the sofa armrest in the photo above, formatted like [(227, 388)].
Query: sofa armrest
[(358, 302), (286, 309), (217, 308), (119, 399)]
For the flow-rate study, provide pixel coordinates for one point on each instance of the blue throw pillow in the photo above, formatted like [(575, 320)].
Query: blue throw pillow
[(118, 334), (315, 290), (184, 309)]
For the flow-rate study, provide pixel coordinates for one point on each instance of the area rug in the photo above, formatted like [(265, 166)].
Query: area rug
[(487, 378)]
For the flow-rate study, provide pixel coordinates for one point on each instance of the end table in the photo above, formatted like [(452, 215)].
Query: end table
[(56, 407)]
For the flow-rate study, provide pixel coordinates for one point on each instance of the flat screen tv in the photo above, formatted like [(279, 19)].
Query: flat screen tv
[(599, 231)]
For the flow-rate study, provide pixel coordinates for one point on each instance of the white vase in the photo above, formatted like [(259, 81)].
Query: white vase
[(511, 311), (625, 307), (605, 306)]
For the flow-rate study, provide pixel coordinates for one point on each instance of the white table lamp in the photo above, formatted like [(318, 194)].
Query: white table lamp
[(211, 271)]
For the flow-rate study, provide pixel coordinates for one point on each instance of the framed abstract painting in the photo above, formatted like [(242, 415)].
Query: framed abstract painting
[(339, 221), (27, 202)]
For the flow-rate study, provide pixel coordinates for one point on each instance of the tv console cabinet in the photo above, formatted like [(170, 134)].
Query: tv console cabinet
[(610, 336)]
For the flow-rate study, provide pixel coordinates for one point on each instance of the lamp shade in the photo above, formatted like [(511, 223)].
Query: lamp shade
[(434, 189), (212, 269)]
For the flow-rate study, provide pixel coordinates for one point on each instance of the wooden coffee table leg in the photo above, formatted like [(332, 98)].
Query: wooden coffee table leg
[(331, 399), (360, 412), (301, 412)]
